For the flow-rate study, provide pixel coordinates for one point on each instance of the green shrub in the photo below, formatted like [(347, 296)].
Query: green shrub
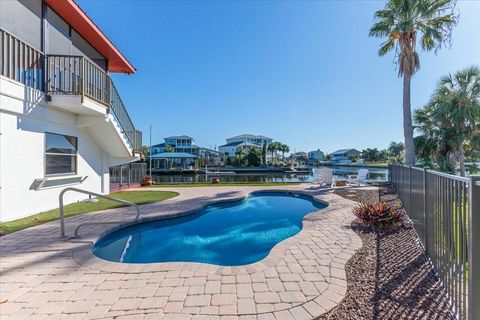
[(377, 214)]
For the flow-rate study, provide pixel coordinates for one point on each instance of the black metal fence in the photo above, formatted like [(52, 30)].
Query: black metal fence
[(127, 175), (445, 210), (76, 75)]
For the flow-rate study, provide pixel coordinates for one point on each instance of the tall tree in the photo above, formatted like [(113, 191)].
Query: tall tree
[(253, 157), (371, 155), (284, 149), (264, 153), (401, 21), (450, 123), (272, 148), (396, 149)]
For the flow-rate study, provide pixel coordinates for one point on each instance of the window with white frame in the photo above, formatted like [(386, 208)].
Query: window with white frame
[(60, 154)]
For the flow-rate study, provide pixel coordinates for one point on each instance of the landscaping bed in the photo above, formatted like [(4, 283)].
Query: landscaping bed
[(390, 276)]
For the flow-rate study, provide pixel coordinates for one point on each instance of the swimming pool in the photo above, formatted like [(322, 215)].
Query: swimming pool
[(227, 234)]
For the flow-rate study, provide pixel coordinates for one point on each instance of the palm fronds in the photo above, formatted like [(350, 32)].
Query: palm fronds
[(401, 20)]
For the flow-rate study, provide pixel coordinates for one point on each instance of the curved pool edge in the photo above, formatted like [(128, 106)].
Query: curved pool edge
[(84, 255), (202, 207), (329, 231), (316, 203)]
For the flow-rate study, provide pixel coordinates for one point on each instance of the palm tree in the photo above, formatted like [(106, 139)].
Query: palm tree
[(169, 148), (432, 145), (400, 22), (145, 152), (264, 154), (450, 122), (284, 149), (272, 147), (395, 150), (278, 147)]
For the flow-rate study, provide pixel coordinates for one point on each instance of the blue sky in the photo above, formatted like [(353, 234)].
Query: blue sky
[(304, 73)]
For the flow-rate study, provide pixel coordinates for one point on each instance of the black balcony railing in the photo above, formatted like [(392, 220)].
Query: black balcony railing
[(20, 62), (76, 75), (65, 75)]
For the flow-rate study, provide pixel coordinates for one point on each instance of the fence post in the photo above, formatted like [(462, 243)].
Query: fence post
[(410, 191), (474, 248), (425, 212)]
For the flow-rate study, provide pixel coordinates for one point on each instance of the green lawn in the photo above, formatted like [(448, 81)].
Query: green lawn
[(253, 184), (138, 197)]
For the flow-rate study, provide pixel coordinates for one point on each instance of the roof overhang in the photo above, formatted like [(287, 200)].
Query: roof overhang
[(71, 12)]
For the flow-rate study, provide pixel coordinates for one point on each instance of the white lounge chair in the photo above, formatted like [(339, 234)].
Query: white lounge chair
[(324, 176), (358, 178)]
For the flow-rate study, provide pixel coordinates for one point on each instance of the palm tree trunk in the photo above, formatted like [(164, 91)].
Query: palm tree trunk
[(462, 167), (407, 122), (462, 163)]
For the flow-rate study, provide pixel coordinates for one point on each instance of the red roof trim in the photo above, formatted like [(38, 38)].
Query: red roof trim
[(71, 12)]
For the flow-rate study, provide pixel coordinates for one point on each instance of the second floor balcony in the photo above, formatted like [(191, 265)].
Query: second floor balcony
[(75, 80), (73, 83)]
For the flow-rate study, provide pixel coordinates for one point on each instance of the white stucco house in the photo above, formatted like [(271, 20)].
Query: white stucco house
[(243, 140), (62, 121)]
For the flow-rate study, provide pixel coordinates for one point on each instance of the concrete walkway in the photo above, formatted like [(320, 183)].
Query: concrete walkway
[(46, 277)]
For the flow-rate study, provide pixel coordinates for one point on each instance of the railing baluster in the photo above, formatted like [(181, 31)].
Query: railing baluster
[(3, 58)]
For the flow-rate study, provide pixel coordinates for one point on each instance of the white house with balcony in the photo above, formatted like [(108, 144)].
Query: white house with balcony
[(243, 140), (62, 121), (181, 150), (344, 155), (181, 143)]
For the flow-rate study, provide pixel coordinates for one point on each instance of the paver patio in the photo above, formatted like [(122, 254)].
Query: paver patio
[(46, 277)]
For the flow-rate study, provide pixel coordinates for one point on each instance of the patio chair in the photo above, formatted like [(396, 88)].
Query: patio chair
[(324, 176), (358, 178)]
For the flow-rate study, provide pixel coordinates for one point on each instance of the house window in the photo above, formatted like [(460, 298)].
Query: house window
[(60, 154)]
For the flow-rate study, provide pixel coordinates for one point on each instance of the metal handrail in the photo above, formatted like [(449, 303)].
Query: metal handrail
[(62, 214), (449, 176)]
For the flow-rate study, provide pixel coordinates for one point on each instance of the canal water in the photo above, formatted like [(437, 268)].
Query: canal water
[(341, 172)]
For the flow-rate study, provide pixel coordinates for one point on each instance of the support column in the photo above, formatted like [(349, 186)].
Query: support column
[(105, 175)]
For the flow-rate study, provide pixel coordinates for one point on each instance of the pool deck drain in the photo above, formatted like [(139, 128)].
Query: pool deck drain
[(46, 277)]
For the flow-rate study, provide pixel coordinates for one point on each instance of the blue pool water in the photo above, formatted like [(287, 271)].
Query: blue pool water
[(228, 234)]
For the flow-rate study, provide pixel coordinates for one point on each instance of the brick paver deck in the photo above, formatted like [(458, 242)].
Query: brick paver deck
[(46, 277)]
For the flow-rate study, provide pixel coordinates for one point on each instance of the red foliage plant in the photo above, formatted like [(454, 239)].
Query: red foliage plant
[(378, 214)]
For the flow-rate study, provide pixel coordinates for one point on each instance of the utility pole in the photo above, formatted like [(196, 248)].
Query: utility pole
[(150, 152)]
